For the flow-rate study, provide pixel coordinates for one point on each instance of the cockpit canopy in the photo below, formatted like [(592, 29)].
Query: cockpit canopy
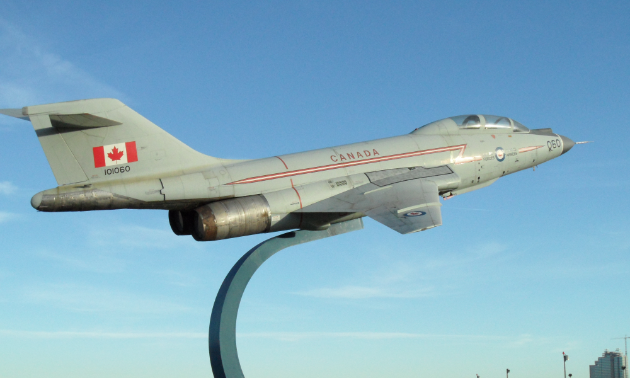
[(473, 122)]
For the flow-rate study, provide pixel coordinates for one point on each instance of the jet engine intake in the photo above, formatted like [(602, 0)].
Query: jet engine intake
[(181, 221), (231, 218)]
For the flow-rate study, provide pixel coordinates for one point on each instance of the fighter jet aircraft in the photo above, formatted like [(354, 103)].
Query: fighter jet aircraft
[(106, 156)]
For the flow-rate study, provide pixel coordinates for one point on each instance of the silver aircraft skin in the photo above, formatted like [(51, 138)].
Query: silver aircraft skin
[(106, 156)]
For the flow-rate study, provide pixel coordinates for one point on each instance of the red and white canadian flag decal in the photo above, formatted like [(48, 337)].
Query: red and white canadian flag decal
[(114, 154)]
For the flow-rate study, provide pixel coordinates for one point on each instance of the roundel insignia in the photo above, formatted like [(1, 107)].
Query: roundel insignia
[(416, 213), (500, 154)]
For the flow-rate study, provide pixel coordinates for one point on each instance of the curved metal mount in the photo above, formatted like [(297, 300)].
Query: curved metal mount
[(222, 334)]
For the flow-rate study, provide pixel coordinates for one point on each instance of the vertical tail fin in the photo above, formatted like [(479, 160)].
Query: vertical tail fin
[(90, 140)]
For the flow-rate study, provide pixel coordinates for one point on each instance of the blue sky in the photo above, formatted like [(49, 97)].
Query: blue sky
[(532, 266)]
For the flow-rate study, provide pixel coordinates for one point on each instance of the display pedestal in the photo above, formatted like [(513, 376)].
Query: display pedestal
[(222, 334)]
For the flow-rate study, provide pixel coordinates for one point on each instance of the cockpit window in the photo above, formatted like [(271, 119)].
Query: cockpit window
[(474, 122), (489, 122), (519, 128), (467, 121), (497, 122)]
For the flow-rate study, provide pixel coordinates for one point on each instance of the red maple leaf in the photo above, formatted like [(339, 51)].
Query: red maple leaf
[(115, 154)]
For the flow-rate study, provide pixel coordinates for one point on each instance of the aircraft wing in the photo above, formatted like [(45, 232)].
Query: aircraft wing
[(404, 200), (408, 207)]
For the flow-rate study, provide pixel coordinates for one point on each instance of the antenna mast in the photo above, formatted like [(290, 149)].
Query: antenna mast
[(625, 368)]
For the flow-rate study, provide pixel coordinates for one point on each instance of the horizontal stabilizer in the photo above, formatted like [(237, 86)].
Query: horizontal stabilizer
[(81, 121), (17, 113)]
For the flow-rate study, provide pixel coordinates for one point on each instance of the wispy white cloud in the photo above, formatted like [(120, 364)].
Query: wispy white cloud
[(83, 298), (567, 346), (101, 335), (296, 336), (32, 75), (522, 340), (179, 279), (419, 276), (395, 272), (488, 250), (479, 253), (527, 340), (508, 341), (390, 280), (130, 235), (90, 262), (511, 341), (6, 188), (467, 208), (364, 292), (6, 216)]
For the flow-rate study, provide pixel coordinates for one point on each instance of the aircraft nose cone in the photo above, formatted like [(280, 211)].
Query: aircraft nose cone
[(567, 144), (37, 200)]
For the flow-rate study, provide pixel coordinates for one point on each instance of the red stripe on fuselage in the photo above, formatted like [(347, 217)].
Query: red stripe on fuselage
[(299, 198), (527, 149), (285, 164), (322, 168), (296, 192)]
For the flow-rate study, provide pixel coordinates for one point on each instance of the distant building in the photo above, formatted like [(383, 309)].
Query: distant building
[(609, 365)]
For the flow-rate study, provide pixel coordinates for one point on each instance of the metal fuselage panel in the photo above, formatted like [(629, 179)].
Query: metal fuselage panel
[(474, 159), (476, 156)]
